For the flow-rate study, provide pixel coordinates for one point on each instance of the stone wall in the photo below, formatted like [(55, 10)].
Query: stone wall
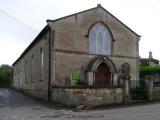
[(40, 94), (66, 62), (28, 79), (87, 96), (70, 33), (71, 44)]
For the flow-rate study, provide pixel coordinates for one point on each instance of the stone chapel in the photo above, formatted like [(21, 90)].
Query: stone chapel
[(83, 51)]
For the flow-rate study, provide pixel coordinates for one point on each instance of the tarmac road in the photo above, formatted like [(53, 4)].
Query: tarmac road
[(16, 106)]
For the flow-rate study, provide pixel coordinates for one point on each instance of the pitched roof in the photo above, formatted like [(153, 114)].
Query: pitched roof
[(45, 29)]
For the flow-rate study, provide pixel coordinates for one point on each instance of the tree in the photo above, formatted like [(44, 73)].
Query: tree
[(5, 75)]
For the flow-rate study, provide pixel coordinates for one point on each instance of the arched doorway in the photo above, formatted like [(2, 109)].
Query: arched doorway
[(101, 72), (102, 75)]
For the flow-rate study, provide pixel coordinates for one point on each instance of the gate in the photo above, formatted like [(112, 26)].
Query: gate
[(138, 90)]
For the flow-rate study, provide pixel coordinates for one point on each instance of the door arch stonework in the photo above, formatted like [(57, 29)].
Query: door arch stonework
[(108, 67)]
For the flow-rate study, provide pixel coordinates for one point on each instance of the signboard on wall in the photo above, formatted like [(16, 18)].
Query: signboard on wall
[(74, 75)]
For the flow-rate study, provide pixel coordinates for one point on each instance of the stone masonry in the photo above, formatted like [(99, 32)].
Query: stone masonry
[(89, 97)]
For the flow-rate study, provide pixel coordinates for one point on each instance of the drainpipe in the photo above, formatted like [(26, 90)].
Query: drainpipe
[(49, 65)]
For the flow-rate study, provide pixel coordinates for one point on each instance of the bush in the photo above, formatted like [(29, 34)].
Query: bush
[(5, 75)]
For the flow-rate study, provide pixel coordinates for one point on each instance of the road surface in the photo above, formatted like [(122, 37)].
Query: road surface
[(16, 106)]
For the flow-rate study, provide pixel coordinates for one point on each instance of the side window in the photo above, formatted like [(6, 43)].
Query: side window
[(26, 70), (41, 64), (32, 69)]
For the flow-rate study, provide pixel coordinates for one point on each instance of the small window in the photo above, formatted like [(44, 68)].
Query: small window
[(99, 40)]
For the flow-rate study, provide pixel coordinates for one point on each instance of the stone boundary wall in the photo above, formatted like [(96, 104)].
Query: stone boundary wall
[(87, 96)]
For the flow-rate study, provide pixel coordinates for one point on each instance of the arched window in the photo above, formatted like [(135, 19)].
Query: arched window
[(42, 64), (99, 40)]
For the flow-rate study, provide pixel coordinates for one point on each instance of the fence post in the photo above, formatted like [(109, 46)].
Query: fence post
[(149, 83), (127, 97)]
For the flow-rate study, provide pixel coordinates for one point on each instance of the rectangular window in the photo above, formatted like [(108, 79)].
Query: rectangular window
[(42, 64)]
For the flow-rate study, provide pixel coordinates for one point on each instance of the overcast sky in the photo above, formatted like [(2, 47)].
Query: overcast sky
[(22, 20)]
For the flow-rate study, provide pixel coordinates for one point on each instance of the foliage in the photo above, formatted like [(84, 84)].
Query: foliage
[(149, 70), (5, 75), (144, 64)]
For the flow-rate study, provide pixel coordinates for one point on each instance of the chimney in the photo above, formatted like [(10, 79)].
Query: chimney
[(98, 5)]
